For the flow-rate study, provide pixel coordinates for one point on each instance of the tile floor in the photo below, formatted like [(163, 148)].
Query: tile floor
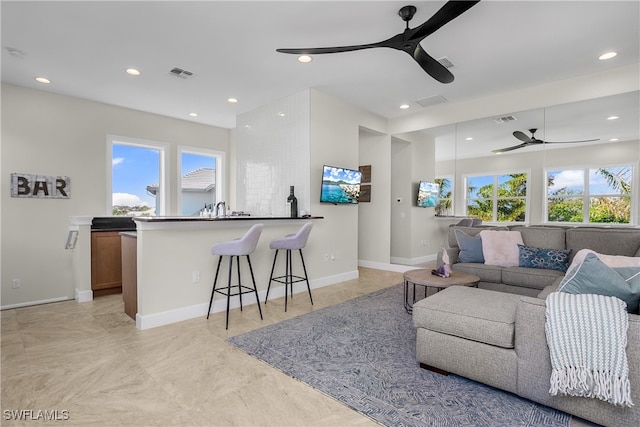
[(89, 363)]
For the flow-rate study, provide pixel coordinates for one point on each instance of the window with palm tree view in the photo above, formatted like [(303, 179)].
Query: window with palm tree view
[(444, 206), (497, 198), (590, 195)]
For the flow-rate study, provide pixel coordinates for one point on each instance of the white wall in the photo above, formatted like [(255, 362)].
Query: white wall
[(374, 223), (272, 154), (335, 140), (412, 240), (48, 134)]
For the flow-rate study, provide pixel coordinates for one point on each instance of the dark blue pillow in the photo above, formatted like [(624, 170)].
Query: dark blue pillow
[(549, 259), (470, 247)]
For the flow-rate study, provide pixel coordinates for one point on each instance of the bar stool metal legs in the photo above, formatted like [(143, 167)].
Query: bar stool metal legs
[(290, 243), (235, 249)]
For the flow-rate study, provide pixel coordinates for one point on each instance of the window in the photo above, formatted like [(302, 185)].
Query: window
[(444, 206), (497, 198), (590, 195), (200, 178), (137, 177)]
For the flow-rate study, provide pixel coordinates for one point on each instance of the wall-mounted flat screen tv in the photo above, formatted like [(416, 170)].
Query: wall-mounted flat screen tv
[(427, 194), (340, 185)]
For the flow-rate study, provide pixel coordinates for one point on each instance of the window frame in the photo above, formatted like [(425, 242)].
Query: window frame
[(496, 175), (163, 169), (220, 164), (586, 195)]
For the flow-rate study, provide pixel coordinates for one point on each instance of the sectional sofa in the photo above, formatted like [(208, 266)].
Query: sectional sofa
[(496, 334), (531, 281)]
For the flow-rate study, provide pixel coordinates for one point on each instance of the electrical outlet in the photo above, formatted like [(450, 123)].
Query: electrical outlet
[(195, 277), (326, 257), (16, 284)]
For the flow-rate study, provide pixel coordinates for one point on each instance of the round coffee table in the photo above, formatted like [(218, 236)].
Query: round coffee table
[(424, 277)]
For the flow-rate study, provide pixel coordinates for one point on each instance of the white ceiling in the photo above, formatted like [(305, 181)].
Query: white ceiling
[(497, 46)]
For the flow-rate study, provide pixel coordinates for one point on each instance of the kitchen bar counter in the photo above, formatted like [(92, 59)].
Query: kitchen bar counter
[(175, 268)]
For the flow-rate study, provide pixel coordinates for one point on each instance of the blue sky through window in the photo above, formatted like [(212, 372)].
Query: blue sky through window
[(134, 168)]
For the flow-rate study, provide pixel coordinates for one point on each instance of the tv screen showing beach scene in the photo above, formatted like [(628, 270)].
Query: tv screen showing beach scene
[(427, 194), (340, 185)]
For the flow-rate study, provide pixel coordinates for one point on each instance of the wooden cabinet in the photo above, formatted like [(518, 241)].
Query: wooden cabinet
[(106, 263), (130, 274)]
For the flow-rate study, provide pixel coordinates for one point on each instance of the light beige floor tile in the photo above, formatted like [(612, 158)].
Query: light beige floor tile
[(90, 360)]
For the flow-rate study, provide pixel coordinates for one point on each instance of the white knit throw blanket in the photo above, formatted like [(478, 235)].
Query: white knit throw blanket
[(587, 337)]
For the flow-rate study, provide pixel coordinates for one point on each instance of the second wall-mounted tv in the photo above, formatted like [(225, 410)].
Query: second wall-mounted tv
[(428, 194), (340, 185)]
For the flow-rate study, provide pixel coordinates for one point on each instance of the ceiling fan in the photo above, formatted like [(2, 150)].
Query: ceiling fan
[(532, 140), (409, 40)]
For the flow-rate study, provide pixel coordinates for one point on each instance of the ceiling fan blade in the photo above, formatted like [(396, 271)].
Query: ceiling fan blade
[(570, 142), (522, 137), (515, 147), (450, 11), (336, 49), (431, 66)]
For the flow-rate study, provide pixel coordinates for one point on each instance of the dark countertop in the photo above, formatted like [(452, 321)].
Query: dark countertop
[(228, 218)]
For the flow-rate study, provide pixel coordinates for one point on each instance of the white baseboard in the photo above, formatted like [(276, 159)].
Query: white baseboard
[(384, 266), (30, 303), (200, 310), (413, 261), (84, 296)]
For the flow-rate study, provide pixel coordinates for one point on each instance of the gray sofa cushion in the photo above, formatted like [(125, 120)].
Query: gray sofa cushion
[(469, 313), (535, 278), (486, 273), (542, 237), (605, 241)]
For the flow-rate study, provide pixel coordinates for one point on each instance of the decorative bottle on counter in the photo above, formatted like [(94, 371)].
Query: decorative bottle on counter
[(293, 201)]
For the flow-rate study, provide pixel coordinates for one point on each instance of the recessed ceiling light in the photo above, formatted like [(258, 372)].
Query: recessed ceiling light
[(404, 106), (232, 100), (613, 118), (607, 55), (614, 140), (43, 80), (193, 114), (305, 58), (281, 114), (468, 138), (133, 72)]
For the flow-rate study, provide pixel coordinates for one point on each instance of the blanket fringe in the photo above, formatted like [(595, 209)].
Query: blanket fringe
[(581, 381)]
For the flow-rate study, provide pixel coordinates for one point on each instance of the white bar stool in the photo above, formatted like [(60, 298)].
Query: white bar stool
[(236, 248), (290, 242)]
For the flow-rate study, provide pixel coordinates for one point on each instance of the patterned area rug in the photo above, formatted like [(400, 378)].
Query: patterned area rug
[(362, 353)]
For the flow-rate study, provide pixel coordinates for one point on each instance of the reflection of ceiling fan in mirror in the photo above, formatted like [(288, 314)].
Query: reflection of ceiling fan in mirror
[(409, 40), (532, 140)]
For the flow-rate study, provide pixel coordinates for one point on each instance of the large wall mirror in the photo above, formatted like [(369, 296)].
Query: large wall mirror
[(474, 157)]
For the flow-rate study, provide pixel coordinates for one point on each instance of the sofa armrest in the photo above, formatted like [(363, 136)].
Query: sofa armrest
[(453, 256), (534, 368)]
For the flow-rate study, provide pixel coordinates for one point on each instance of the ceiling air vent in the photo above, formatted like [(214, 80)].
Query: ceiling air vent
[(179, 72), (431, 100), (446, 62), (505, 119)]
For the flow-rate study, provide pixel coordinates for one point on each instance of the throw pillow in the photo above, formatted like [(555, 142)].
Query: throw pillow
[(592, 276), (549, 259), (501, 247), (610, 260), (470, 247)]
